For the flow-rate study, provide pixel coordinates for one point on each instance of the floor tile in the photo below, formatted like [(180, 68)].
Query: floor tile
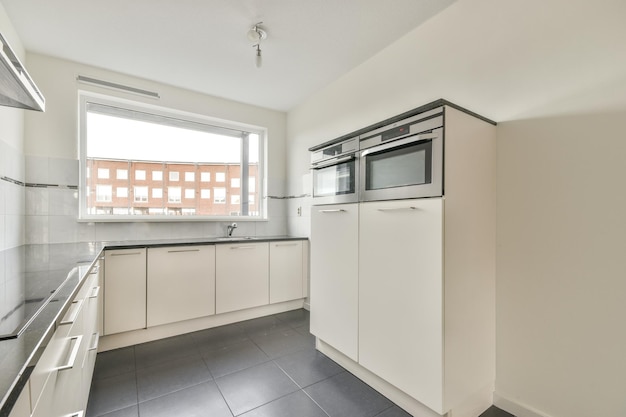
[(132, 411), (281, 342), (394, 411), (297, 404), (344, 395), (164, 350), (233, 358), (253, 387), (494, 411), (218, 337), (115, 362), (171, 376), (294, 318), (308, 366), (112, 394), (203, 400), (262, 326)]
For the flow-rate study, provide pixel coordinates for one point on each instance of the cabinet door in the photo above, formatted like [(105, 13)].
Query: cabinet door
[(242, 276), (181, 283), (400, 295), (285, 271), (21, 408), (124, 290), (334, 276)]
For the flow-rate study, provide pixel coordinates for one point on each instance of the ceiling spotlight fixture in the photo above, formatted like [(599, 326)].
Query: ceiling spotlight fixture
[(255, 35)]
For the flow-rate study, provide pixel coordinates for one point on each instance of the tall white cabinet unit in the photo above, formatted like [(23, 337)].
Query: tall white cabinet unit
[(421, 298), (335, 282)]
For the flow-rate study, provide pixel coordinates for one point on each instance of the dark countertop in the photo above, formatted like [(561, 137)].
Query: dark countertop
[(36, 284)]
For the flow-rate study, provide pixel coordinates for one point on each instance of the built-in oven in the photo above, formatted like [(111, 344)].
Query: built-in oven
[(335, 172), (403, 159)]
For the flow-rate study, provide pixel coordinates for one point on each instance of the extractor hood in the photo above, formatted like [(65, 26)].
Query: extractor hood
[(17, 89)]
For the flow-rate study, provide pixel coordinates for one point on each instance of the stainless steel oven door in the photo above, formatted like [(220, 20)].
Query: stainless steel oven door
[(411, 167), (335, 181)]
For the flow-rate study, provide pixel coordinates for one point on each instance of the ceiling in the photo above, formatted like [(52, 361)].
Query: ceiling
[(201, 45)]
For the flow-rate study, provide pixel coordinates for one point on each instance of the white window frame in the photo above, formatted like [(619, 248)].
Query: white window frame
[(259, 214)]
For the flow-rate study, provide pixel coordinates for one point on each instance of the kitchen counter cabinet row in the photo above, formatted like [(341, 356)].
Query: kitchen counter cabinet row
[(60, 381), (149, 287)]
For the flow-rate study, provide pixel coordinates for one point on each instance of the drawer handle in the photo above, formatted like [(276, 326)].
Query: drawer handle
[(242, 247), (286, 244), (80, 413), (94, 345), (183, 250), (95, 291), (73, 354), (95, 270), (333, 211), (398, 209), (126, 254), (75, 306)]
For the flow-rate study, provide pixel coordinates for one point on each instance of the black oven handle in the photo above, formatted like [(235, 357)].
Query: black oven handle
[(399, 142), (334, 161)]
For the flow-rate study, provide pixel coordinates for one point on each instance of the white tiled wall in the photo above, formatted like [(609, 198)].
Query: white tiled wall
[(12, 202), (52, 212)]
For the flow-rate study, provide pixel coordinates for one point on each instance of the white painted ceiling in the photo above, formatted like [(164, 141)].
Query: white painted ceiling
[(201, 45)]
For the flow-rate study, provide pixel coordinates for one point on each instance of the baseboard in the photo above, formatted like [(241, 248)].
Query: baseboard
[(119, 340), (517, 409)]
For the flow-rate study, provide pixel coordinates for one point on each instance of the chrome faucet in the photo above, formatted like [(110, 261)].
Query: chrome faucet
[(230, 228)]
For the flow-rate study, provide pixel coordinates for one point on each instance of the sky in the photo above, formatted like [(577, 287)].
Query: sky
[(120, 138)]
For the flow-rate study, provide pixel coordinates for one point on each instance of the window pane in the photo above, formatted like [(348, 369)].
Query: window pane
[(122, 174), (151, 151), (219, 195), (173, 194)]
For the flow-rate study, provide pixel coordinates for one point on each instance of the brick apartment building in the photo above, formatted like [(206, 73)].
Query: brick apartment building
[(123, 187)]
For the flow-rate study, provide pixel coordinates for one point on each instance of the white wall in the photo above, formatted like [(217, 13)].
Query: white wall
[(553, 73), (11, 157), (561, 295), (51, 147)]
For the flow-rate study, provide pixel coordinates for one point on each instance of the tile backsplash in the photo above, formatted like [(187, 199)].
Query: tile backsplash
[(51, 212)]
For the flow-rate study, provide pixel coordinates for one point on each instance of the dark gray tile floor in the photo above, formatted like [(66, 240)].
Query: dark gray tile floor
[(266, 367)]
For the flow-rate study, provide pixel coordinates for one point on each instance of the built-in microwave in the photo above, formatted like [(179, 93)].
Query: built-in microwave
[(403, 159), (335, 172)]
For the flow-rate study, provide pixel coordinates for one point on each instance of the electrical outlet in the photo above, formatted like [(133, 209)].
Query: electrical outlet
[(299, 211)]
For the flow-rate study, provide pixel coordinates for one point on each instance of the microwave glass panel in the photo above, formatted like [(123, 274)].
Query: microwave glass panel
[(399, 167), (334, 180)]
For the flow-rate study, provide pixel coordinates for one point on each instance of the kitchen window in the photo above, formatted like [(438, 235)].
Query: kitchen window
[(160, 148)]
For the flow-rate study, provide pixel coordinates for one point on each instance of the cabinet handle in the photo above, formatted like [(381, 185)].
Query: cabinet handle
[(80, 413), (95, 291), (95, 270), (286, 244), (126, 254), (73, 354), (94, 346), (333, 211), (398, 209), (76, 306), (242, 247), (183, 250)]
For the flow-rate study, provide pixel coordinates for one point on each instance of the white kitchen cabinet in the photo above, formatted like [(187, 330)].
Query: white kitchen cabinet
[(401, 295), (21, 408), (241, 276), (59, 384), (335, 276), (124, 290), (286, 260), (181, 283)]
